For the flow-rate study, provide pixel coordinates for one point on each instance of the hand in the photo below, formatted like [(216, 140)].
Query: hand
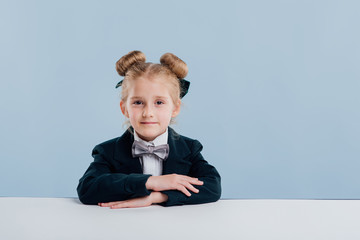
[(178, 182), (154, 197)]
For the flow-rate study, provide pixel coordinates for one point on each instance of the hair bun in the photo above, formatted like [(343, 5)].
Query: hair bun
[(128, 60), (175, 64)]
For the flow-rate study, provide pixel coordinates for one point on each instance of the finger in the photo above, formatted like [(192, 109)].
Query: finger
[(192, 180), (188, 178), (190, 187), (103, 204), (183, 189), (124, 204), (196, 182), (132, 203), (109, 204)]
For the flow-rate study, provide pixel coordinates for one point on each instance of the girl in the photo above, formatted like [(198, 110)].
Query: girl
[(150, 163)]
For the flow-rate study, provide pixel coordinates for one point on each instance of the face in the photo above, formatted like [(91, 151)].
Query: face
[(149, 107)]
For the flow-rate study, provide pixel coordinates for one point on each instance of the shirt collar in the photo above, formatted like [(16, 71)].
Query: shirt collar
[(159, 140)]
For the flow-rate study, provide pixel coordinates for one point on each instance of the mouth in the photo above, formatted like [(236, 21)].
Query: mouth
[(148, 123)]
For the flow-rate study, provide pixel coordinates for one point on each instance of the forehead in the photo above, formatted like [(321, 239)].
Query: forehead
[(149, 87)]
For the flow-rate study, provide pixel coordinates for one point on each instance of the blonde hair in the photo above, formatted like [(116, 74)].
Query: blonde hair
[(133, 66)]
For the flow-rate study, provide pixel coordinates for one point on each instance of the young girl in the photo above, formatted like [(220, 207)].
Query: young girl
[(150, 163)]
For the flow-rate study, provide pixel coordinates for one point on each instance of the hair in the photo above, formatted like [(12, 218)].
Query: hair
[(133, 66)]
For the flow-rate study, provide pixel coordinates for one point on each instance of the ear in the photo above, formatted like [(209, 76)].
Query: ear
[(176, 109), (123, 109)]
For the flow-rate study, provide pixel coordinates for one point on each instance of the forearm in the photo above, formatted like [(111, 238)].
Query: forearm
[(209, 192), (111, 187)]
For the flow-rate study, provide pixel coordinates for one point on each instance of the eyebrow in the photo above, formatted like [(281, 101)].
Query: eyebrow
[(161, 97), (138, 97)]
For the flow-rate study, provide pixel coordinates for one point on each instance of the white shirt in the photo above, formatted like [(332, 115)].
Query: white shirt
[(152, 164)]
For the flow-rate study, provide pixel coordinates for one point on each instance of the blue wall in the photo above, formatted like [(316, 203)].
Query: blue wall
[(274, 96)]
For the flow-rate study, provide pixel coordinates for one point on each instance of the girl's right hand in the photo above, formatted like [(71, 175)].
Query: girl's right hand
[(178, 182)]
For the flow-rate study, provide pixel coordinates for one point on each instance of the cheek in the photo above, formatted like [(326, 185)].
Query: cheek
[(166, 115), (133, 113), (129, 113)]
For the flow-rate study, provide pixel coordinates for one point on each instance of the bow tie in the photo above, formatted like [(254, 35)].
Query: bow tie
[(139, 149)]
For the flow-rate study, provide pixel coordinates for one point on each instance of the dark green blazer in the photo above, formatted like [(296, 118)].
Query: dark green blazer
[(115, 175)]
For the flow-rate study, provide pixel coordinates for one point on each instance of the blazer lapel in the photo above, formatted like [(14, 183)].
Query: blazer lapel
[(178, 151), (123, 153)]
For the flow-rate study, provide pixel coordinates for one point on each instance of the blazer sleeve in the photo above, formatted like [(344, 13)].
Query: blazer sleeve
[(210, 191), (101, 184)]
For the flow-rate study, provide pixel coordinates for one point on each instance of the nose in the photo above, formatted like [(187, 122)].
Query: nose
[(148, 111)]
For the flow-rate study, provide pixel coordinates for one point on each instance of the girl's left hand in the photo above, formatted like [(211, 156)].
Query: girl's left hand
[(154, 197)]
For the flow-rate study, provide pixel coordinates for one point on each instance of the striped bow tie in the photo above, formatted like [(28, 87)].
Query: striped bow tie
[(139, 149)]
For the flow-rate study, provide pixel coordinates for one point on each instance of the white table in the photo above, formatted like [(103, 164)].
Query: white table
[(67, 218)]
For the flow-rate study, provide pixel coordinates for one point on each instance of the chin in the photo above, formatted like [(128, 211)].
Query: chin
[(149, 134)]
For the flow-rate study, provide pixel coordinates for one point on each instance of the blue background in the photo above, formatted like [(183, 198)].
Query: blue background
[(274, 93)]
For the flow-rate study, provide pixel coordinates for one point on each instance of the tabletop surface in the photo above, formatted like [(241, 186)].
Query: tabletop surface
[(67, 218)]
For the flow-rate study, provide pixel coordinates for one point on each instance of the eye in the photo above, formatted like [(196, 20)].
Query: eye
[(159, 102), (137, 102)]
